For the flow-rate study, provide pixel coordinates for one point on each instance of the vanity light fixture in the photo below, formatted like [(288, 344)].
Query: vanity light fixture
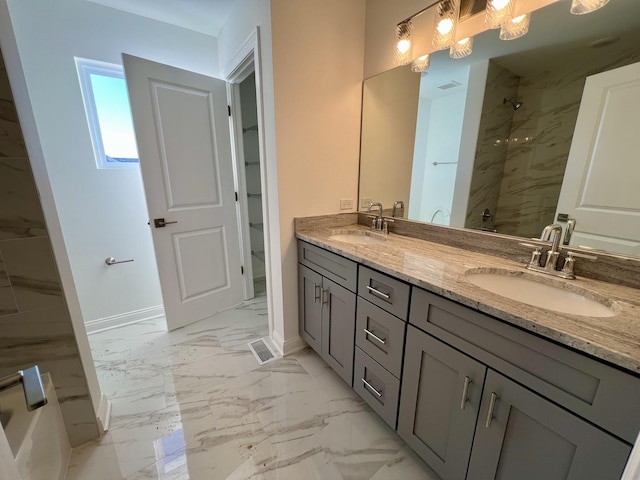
[(446, 22), (580, 7), (404, 46), (515, 27), (498, 12), (421, 64), (461, 48)]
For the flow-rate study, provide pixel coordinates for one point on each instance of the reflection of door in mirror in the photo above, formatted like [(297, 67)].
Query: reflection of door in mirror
[(600, 188)]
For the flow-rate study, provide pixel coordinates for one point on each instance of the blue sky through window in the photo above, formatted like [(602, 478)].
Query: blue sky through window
[(114, 118)]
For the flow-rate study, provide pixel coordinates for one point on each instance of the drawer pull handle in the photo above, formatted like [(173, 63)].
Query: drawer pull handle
[(372, 388), (370, 333), (465, 393), (492, 406), (378, 292), (316, 292)]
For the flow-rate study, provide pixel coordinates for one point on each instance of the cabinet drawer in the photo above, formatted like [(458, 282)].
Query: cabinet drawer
[(382, 390), (388, 293), (336, 268), (602, 394), (380, 335)]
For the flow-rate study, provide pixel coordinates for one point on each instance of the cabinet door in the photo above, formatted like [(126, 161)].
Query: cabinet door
[(439, 402), (310, 307), (522, 435), (338, 328)]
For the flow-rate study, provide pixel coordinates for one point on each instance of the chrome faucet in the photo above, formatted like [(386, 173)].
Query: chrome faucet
[(396, 204), (554, 252), (376, 224), (551, 263)]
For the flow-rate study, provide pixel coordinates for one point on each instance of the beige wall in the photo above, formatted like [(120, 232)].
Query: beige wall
[(317, 72), (389, 113)]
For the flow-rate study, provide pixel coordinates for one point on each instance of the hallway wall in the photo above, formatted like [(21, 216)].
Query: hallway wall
[(35, 325)]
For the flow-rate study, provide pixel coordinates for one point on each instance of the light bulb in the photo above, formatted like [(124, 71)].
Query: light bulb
[(580, 7), (402, 53), (403, 46), (498, 12), (445, 23), (499, 4), (421, 64), (515, 28), (444, 26), (462, 48)]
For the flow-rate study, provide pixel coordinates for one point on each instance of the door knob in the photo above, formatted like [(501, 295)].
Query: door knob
[(160, 223)]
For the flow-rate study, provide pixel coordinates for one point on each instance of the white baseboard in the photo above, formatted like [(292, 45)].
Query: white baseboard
[(115, 321), (104, 414), (287, 347)]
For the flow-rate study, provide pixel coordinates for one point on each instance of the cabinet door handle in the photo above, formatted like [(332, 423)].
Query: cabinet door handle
[(316, 292), (492, 406), (381, 340), (325, 297), (465, 393), (372, 388), (378, 292)]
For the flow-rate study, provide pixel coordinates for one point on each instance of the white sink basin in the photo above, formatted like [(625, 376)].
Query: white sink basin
[(550, 294), (357, 238)]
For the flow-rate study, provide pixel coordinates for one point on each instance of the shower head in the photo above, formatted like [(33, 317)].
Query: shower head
[(516, 105)]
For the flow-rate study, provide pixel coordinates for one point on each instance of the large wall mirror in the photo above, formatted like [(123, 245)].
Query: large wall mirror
[(518, 135)]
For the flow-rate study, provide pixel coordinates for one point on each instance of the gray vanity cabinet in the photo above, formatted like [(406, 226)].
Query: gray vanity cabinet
[(310, 306), (338, 328), (521, 435), (441, 391), (327, 306)]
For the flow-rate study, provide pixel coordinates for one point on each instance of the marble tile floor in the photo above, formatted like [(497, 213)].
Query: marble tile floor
[(194, 404)]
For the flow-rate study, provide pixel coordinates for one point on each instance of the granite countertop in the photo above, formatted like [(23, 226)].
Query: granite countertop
[(441, 269)]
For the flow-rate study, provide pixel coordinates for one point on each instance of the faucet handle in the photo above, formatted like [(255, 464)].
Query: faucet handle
[(571, 254)]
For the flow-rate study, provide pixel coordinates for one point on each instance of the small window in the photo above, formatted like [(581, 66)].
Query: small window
[(106, 102)]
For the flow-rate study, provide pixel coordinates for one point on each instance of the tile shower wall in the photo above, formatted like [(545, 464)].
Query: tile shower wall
[(490, 158), (35, 326)]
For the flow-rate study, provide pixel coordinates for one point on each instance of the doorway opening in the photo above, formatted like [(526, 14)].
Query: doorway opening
[(249, 150)]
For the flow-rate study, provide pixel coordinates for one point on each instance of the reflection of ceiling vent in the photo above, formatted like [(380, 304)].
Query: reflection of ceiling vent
[(448, 85)]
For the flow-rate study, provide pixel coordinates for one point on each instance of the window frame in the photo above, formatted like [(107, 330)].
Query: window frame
[(86, 68)]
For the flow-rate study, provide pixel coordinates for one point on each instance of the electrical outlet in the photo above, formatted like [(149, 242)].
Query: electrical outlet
[(366, 202), (346, 203)]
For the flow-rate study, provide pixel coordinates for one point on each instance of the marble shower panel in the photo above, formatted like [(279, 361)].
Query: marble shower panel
[(490, 159), (35, 326)]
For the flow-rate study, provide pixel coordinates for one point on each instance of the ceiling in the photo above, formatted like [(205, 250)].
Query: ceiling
[(204, 16)]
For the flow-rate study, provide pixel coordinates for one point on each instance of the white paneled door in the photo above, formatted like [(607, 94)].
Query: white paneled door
[(600, 186), (182, 131)]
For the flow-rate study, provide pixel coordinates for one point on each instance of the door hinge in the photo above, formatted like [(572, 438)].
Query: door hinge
[(241, 270), (236, 196), (229, 109)]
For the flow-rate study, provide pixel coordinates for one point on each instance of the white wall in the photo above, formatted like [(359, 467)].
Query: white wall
[(102, 212), (443, 130)]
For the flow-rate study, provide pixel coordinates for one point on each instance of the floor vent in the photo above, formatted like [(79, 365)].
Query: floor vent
[(261, 351)]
